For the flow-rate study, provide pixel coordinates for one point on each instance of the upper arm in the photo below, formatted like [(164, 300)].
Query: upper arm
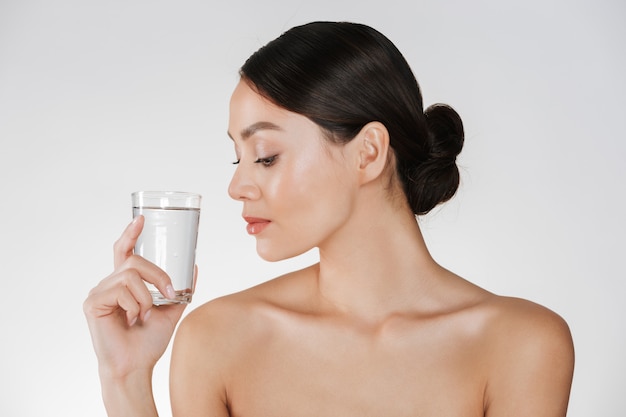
[(197, 386), (532, 365)]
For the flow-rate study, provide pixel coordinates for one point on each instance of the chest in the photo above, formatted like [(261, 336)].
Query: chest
[(332, 370)]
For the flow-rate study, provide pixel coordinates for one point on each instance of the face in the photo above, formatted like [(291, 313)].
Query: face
[(297, 189)]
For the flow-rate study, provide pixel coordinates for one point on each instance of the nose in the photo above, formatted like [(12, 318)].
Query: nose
[(242, 186)]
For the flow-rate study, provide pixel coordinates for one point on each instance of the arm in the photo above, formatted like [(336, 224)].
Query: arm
[(200, 358), (532, 364)]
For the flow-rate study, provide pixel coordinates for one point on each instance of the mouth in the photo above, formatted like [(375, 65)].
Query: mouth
[(256, 225)]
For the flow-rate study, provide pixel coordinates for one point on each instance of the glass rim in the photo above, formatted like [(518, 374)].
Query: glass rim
[(175, 199)]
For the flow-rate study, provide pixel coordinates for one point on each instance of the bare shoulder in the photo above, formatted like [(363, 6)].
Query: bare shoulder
[(521, 314), (243, 315), (214, 344), (531, 356), (521, 324)]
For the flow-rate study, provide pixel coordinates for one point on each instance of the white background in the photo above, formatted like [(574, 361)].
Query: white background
[(102, 98)]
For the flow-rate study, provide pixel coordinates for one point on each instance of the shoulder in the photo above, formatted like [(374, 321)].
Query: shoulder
[(531, 358), (523, 324), (245, 314), (218, 341), (507, 326)]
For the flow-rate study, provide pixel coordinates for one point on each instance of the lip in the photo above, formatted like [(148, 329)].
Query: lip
[(255, 224)]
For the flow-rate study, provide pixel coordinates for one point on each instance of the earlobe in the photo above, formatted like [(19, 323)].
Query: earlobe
[(373, 150)]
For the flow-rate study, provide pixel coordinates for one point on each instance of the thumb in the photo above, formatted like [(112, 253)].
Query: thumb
[(125, 245)]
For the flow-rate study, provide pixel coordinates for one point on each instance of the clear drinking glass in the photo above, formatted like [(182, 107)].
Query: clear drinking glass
[(169, 238)]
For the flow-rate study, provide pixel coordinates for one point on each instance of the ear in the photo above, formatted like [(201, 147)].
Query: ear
[(373, 148)]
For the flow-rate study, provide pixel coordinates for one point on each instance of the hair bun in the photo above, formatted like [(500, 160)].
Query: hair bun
[(446, 132), (436, 179)]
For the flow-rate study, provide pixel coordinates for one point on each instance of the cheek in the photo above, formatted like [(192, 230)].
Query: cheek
[(320, 193), (297, 182), (309, 203), (285, 187)]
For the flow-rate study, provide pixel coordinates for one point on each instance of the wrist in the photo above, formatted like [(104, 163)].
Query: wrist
[(128, 394)]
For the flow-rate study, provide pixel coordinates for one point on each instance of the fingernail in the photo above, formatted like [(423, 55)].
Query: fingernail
[(147, 315), (133, 321), (169, 292)]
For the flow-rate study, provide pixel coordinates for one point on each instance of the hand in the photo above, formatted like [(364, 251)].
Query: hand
[(128, 333)]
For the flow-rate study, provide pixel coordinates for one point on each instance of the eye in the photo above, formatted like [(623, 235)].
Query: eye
[(236, 162), (266, 162)]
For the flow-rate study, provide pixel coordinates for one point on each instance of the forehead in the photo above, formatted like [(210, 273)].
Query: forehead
[(250, 112), (244, 98)]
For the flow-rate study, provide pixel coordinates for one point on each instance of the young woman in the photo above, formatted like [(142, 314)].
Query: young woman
[(334, 151)]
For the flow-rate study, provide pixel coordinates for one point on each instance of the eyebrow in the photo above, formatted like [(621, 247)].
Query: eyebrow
[(255, 127)]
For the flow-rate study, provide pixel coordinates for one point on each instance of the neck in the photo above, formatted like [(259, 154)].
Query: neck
[(377, 265)]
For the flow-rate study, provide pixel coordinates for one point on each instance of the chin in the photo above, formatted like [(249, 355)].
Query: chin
[(273, 254)]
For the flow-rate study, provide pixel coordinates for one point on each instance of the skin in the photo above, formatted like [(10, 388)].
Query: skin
[(377, 327)]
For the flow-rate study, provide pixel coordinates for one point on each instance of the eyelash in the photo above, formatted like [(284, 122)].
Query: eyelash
[(266, 162)]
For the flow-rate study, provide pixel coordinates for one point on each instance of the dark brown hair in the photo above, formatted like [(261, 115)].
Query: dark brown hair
[(344, 75)]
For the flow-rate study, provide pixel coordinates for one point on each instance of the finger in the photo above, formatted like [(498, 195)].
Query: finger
[(110, 301), (124, 246), (129, 294), (138, 290), (129, 304), (195, 278), (139, 269), (152, 274), (144, 268)]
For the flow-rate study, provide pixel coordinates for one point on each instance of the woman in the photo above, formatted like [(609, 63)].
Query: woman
[(334, 151)]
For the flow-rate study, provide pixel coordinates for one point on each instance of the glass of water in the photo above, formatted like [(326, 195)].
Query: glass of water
[(169, 237)]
